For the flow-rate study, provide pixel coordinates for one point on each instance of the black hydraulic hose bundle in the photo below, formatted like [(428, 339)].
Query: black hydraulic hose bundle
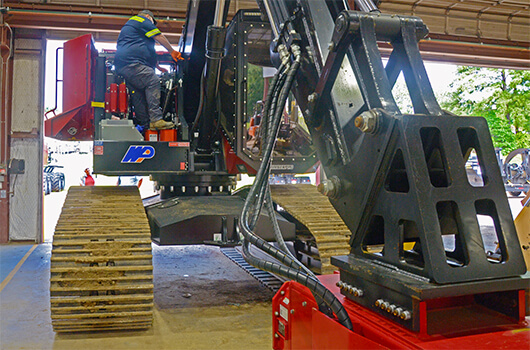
[(279, 91), (259, 194)]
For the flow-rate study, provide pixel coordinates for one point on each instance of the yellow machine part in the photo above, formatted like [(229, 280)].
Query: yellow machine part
[(315, 212), (522, 225), (101, 264)]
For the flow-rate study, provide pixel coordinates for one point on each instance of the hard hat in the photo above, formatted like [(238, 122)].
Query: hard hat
[(147, 12)]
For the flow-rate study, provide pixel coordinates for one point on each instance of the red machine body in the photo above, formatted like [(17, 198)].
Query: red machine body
[(76, 122), (298, 324), (168, 135), (123, 101), (116, 100), (234, 164), (151, 135), (113, 103)]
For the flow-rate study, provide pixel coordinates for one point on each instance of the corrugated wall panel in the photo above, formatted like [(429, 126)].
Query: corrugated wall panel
[(459, 22), (25, 210), (132, 4), (26, 91), (119, 3), (74, 2), (155, 5)]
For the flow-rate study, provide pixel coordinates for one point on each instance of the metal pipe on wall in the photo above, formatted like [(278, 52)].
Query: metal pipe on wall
[(6, 77)]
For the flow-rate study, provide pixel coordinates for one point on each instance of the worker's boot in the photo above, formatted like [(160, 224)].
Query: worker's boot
[(161, 125)]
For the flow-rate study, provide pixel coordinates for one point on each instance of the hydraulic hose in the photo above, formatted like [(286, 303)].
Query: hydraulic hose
[(280, 92), (278, 234), (314, 285), (259, 194)]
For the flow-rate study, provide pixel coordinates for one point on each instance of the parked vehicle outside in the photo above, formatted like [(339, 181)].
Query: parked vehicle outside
[(47, 183), (515, 171), (56, 176)]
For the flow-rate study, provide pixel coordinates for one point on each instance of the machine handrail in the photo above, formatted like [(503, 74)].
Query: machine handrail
[(56, 81)]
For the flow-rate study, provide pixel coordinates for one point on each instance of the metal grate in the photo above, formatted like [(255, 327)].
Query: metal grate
[(268, 280)]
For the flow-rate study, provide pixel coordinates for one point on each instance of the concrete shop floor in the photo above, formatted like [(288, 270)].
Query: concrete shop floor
[(227, 308)]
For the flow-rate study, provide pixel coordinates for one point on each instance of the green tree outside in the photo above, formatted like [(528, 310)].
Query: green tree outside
[(501, 96), (255, 87)]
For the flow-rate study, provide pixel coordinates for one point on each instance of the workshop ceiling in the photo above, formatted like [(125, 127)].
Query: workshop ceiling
[(492, 33), (475, 20)]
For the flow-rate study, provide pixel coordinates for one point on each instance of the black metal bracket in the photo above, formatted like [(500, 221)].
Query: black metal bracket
[(360, 32), (226, 241), (418, 198)]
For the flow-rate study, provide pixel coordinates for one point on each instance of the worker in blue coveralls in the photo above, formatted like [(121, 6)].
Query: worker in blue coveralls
[(136, 61)]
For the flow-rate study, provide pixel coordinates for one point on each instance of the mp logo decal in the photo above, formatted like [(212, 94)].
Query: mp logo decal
[(137, 154)]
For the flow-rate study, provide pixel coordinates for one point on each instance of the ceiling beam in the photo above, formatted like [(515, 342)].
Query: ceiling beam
[(442, 48), (126, 10), (470, 54), (88, 22)]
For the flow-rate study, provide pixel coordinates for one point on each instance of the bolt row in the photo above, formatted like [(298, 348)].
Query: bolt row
[(393, 309), (356, 292)]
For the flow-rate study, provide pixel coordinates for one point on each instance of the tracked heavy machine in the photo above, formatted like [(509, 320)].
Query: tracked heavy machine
[(194, 167), (396, 213)]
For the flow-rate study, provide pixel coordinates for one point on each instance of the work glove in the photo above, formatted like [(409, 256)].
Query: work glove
[(176, 55)]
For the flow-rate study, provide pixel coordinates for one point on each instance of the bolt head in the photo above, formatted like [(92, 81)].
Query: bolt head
[(330, 187), (368, 121), (359, 122), (405, 315)]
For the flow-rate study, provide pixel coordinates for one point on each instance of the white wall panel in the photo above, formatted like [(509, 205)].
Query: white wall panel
[(27, 90), (25, 209)]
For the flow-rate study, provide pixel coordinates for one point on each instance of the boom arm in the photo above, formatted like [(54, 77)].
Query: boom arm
[(398, 181), (393, 178)]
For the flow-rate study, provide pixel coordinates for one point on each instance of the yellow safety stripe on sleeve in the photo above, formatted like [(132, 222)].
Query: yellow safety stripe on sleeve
[(152, 32), (137, 18), (98, 104)]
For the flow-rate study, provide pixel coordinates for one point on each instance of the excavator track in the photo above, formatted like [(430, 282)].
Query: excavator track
[(314, 211), (101, 264)]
